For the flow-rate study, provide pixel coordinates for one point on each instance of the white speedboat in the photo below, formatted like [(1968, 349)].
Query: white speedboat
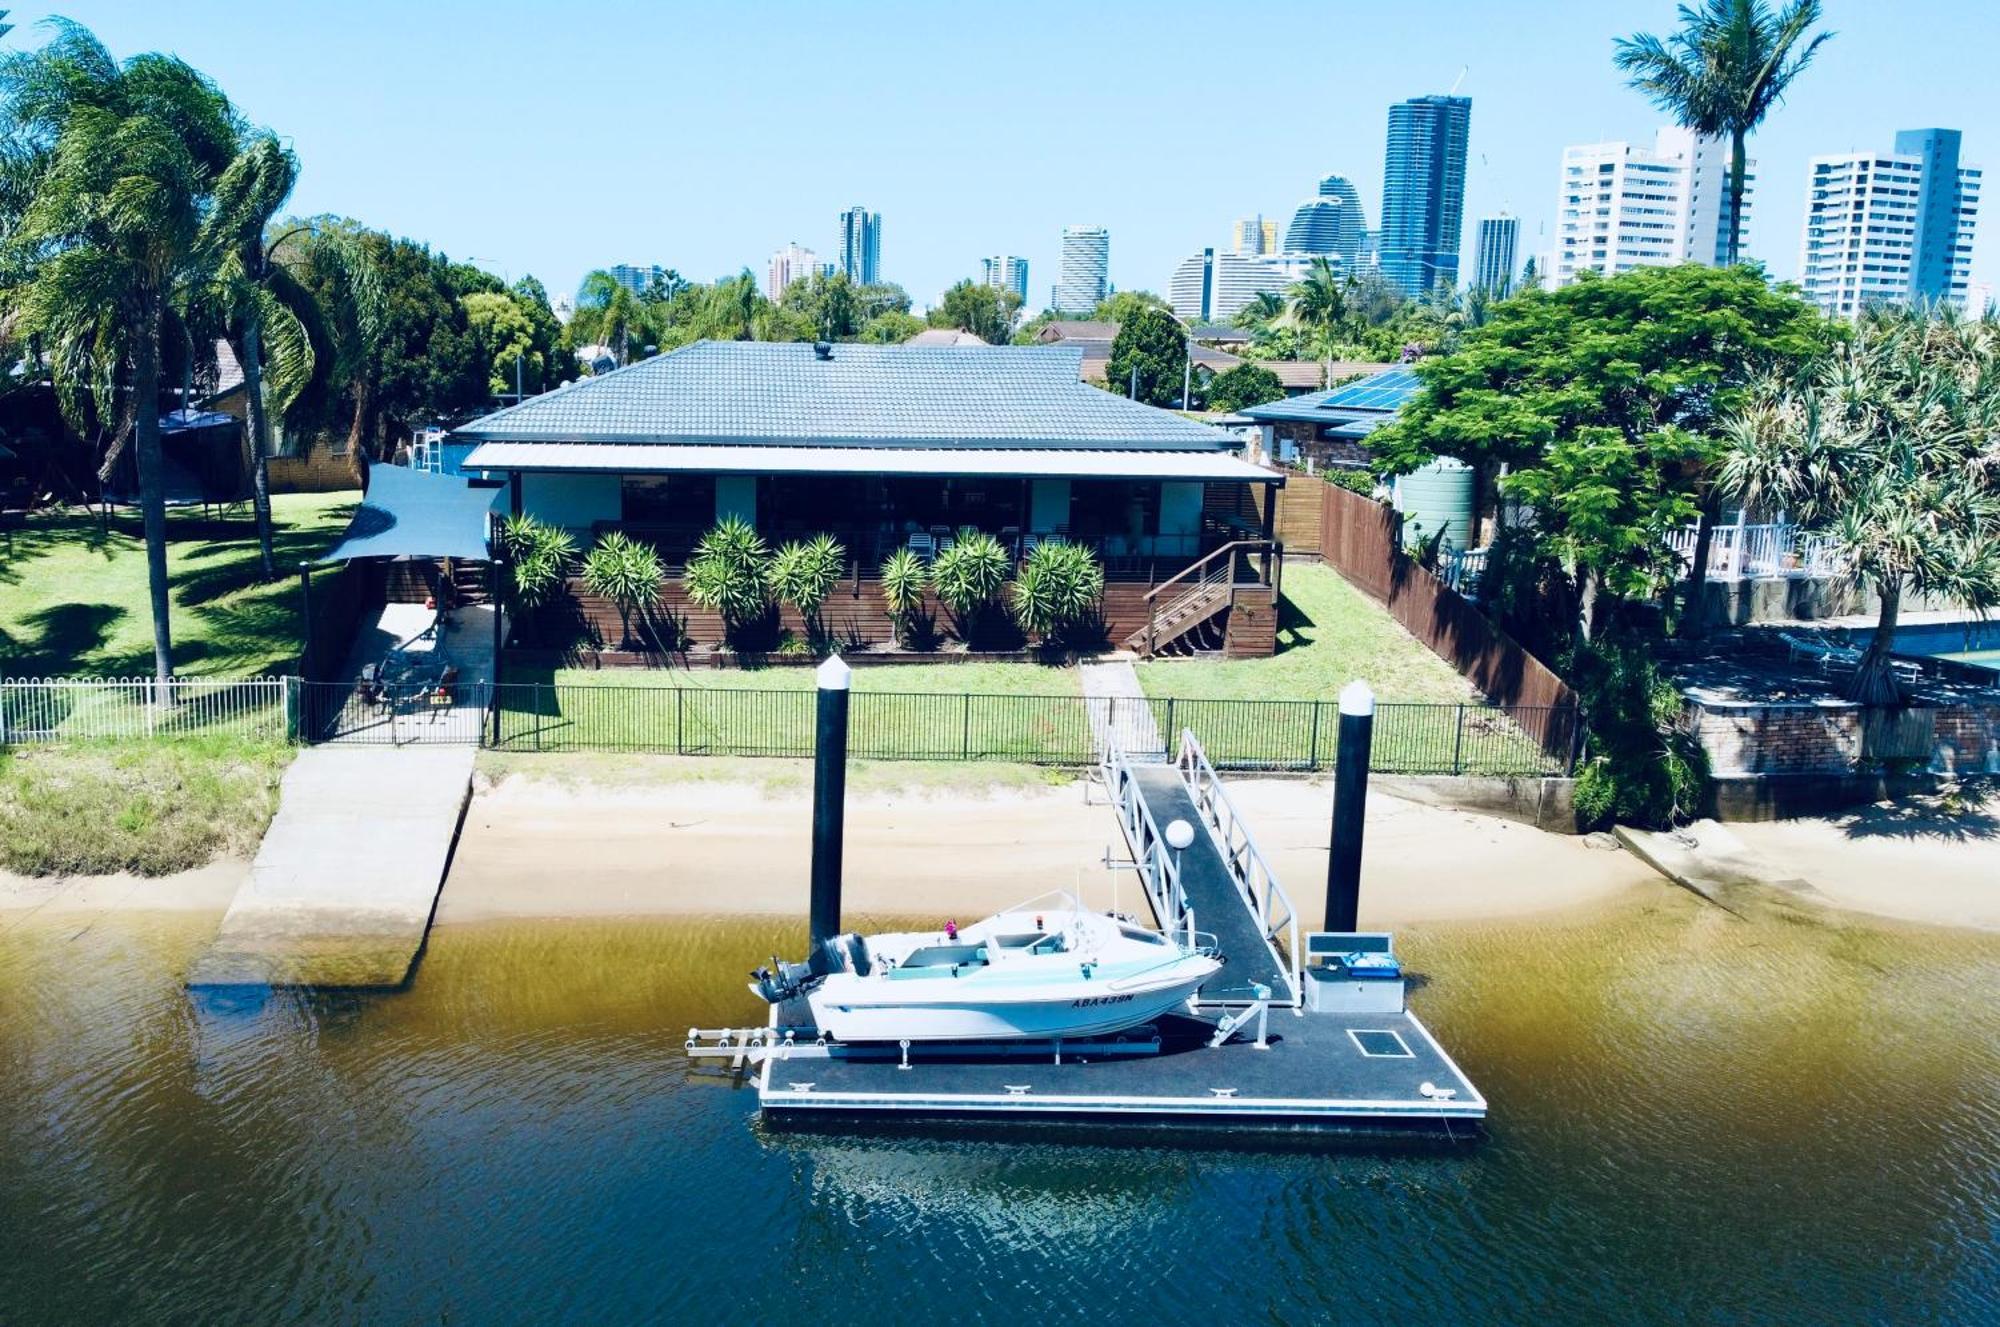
[(1033, 972)]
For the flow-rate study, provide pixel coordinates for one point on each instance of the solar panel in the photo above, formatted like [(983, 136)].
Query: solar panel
[(1384, 391)]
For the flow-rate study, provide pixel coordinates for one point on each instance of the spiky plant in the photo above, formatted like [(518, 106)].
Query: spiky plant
[(804, 572), (729, 573), (626, 572), (539, 559), (970, 575), (1058, 589), (904, 580)]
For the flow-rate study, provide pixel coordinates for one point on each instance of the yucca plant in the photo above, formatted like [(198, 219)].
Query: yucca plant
[(539, 559), (969, 577), (803, 574), (626, 572), (1058, 589), (904, 580), (729, 573)]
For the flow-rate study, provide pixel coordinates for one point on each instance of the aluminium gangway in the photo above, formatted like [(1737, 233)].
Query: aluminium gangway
[(1220, 885)]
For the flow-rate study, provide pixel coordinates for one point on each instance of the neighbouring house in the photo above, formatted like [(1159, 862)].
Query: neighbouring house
[(1331, 427), (892, 446), (1094, 339), (946, 336)]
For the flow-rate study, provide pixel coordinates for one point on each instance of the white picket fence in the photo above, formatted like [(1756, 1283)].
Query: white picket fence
[(1746, 552), (127, 708)]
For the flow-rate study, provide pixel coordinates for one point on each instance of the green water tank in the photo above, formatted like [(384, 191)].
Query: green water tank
[(1440, 495)]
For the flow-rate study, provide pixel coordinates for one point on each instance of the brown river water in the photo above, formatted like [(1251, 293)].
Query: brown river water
[(1697, 1118)]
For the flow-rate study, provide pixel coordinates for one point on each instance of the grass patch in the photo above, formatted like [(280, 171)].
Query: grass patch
[(73, 600), (1329, 633), (936, 712), (152, 808)]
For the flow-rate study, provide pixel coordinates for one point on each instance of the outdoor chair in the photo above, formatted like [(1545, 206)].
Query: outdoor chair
[(923, 546), (1829, 656), (368, 686)]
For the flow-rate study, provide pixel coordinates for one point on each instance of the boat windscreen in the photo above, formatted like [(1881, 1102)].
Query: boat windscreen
[(944, 956)]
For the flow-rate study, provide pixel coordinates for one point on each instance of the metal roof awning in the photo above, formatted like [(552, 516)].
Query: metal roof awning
[(412, 513), (941, 462)]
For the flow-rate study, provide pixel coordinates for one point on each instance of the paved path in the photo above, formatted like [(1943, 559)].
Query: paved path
[(408, 714), (1119, 712), (343, 885)]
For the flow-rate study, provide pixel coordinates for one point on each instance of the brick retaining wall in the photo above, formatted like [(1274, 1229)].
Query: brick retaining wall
[(1840, 737)]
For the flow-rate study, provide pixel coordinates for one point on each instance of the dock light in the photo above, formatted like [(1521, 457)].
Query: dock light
[(1180, 835)]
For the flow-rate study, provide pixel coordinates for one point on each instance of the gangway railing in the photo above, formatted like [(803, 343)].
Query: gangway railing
[(1259, 886), (1158, 865)]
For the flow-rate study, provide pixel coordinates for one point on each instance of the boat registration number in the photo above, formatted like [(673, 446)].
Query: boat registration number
[(1090, 1001)]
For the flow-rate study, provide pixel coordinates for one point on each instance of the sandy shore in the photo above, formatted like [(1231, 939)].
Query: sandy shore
[(1921, 860), (206, 889), (539, 846)]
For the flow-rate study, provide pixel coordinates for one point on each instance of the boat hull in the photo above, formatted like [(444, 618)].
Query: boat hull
[(857, 1011)]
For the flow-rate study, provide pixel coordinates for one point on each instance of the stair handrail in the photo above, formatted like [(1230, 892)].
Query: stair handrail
[(1203, 564), (1223, 557)]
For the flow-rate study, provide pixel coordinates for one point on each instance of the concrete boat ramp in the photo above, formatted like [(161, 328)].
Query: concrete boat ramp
[(343, 887)]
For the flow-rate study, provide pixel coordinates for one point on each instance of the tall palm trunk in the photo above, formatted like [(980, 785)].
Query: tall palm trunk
[(1694, 614), (1736, 168), (260, 436), (152, 487), (1874, 683)]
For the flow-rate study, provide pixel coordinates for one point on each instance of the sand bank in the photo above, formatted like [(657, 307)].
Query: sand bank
[(552, 845), (204, 889)]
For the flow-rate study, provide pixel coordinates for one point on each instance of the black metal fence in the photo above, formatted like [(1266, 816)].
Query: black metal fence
[(1287, 735)]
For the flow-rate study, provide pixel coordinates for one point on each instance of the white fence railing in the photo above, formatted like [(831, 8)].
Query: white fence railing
[(1460, 569), (1746, 552), (123, 709)]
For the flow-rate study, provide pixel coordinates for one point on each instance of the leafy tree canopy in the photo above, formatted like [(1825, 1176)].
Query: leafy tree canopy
[(1152, 344), (973, 306), (1603, 401), (1242, 385)]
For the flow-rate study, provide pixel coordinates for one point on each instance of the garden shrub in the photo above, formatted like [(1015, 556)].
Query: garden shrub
[(1057, 593)]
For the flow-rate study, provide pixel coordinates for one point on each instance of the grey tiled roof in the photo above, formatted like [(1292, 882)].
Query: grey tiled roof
[(720, 392)]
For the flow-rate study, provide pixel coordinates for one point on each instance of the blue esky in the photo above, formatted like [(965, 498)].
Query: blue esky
[(551, 139)]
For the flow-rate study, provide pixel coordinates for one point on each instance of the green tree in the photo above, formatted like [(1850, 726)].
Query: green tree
[(505, 338), (969, 577), (123, 160), (1151, 352), (1120, 305), (904, 578), (1317, 303), (607, 314), (550, 358), (1603, 401), (729, 573), (891, 328), (1888, 449), (973, 306), (1242, 385), (803, 573), (1722, 72), (1057, 593)]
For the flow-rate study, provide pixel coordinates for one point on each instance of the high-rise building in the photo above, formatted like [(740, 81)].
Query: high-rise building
[(792, 263), (1006, 272), (1979, 298), (1323, 226), (1253, 235), (636, 278), (1423, 192), (1354, 222), (1213, 285), (1622, 206), (1493, 263), (861, 245), (1085, 276), (1890, 227)]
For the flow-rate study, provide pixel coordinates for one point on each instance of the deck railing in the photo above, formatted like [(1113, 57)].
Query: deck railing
[(1748, 552)]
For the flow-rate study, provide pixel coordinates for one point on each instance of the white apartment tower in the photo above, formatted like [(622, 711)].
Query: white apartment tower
[(1006, 272), (1084, 279), (1623, 206), (1213, 285), (792, 263), (1890, 227)]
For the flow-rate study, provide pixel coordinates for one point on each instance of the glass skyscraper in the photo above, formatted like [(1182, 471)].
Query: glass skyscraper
[(1493, 270), (861, 245), (1423, 192), (1085, 276), (1353, 225), (1006, 272)]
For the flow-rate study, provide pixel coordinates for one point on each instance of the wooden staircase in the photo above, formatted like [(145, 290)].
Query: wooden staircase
[(1186, 612)]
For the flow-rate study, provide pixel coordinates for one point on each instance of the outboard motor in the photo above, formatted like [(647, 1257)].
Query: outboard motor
[(781, 981), (847, 952)]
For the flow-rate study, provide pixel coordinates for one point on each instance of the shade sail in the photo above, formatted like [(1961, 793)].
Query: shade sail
[(951, 462), (415, 514)]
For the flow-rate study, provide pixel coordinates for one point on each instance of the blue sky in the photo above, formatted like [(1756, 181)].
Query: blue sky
[(549, 139)]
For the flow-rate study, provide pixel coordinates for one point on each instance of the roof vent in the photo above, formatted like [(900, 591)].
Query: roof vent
[(823, 349)]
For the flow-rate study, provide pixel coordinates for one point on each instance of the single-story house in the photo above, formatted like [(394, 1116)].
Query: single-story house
[(1094, 340), (1331, 428), (882, 447)]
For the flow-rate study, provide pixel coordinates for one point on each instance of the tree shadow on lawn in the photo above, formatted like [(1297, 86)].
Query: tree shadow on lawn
[(63, 634), (195, 585)]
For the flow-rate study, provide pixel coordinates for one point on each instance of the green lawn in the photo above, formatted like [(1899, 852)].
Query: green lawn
[(73, 598), (982, 711), (1329, 633)]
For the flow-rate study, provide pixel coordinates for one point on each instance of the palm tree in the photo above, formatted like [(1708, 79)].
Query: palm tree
[(1885, 450), (1725, 69), (1317, 302), (260, 296), (124, 160), (607, 314), (1264, 308)]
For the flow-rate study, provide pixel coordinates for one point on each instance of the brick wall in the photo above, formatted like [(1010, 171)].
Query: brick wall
[(1838, 737), (317, 470)]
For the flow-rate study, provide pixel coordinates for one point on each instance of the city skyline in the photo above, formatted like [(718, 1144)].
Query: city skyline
[(954, 178)]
